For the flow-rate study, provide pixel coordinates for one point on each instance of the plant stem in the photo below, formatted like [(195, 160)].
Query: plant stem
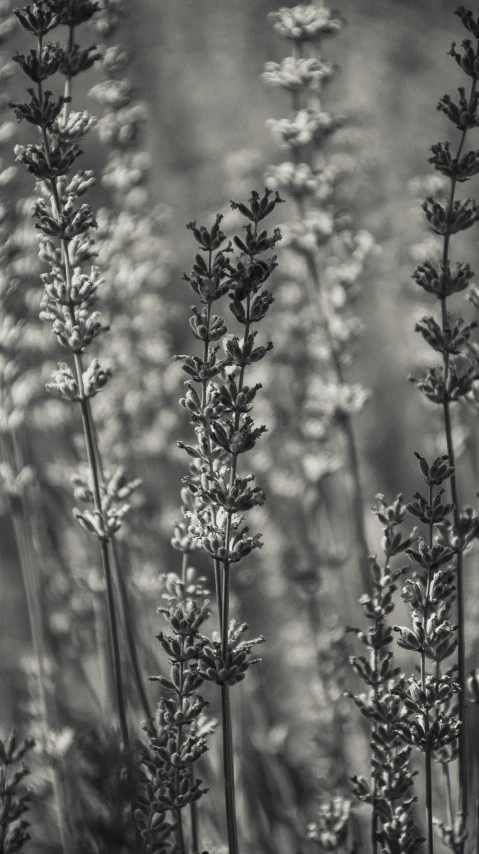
[(124, 601), (179, 811), (228, 756), (195, 821), (228, 765), (105, 555), (128, 626), (375, 817), (222, 596), (447, 783), (427, 756), (346, 427)]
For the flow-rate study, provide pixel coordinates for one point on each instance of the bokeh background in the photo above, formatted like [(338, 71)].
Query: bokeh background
[(202, 138)]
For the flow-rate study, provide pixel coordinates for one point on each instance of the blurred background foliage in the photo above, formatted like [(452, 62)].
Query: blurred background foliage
[(196, 70)]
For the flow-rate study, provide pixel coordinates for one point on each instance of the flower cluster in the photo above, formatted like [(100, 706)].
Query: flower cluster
[(389, 791), (304, 23), (330, 830), (13, 798)]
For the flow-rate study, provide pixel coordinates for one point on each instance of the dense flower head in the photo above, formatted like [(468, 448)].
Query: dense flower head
[(306, 126), (295, 180), (297, 73), (305, 23)]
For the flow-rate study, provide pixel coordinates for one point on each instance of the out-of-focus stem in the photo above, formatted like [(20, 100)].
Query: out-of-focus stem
[(124, 601), (346, 428), (128, 626)]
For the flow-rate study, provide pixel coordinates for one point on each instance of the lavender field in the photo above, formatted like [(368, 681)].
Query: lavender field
[(239, 455)]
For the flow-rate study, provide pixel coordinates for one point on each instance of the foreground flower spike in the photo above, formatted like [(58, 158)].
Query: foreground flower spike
[(65, 221), (450, 336), (219, 403), (389, 791), (13, 799), (430, 723), (180, 742)]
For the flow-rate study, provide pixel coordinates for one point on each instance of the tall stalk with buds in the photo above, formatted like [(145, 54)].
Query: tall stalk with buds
[(65, 222), (219, 408), (449, 335), (430, 723), (178, 743), (332, 256), (389, 789)]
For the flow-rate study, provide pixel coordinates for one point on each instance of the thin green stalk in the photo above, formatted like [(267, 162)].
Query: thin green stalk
[(105, 555), (195, 821), (128, 626), (115, 645), (447, 786), (427, 757), (124, 602), (375, 817), (228, 764), (179, 811), (103, 651)]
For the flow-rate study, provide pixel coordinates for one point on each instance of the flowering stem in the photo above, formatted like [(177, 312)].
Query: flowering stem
[(87, 420), (228, 755), (463, 772)]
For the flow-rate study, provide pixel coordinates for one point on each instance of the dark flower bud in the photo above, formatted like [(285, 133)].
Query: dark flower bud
[(37, 19)]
